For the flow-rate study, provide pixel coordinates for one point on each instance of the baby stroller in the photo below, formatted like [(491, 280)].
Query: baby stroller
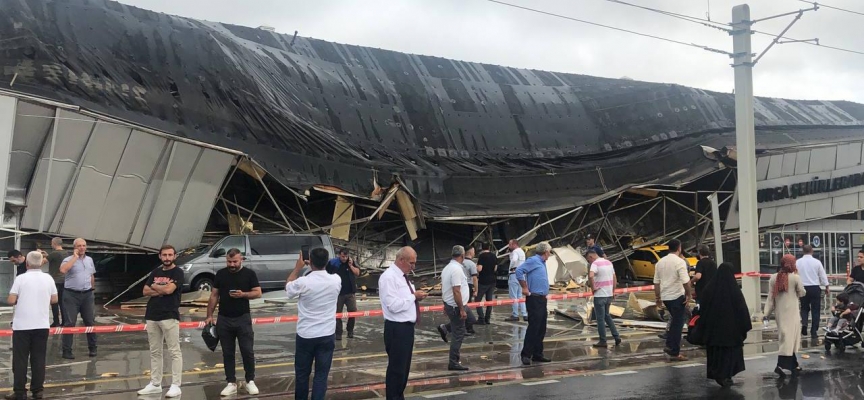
[(851, 335)]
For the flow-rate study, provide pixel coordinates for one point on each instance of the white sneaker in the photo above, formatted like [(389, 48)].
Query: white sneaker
[(229, 390), (251, 388), (151, 389), (174, 391)]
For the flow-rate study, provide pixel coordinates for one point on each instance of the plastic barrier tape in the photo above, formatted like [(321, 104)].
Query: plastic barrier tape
[(356, 314)]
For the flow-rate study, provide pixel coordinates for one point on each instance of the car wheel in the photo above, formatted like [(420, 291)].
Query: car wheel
[(203, 283), (628, 275)]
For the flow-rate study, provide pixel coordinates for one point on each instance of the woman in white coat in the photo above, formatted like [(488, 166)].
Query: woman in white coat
[(784, 290)]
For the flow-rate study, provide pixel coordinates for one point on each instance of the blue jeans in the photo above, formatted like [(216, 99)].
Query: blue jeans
[(673, 338), (321, 351), (516, 293), (601, 311)]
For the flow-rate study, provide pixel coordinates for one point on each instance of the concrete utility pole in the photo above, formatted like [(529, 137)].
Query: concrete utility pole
[(745, 138), (745, 141), (718, 236)]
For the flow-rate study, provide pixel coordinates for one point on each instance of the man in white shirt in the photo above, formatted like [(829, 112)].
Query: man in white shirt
[(812, 274), (603, 282), (400, 304), (672, 289), (318, 292), (455, 294), (32, 293), (517, 257)]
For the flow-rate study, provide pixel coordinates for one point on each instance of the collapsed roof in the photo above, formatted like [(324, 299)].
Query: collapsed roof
[(313, 112)]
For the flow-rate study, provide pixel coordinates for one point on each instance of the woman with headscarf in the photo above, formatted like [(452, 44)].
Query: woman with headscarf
[(725, 320), (785, 288)]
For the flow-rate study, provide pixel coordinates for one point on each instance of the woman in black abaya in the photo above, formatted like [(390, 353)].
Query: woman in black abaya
[(725, 321)]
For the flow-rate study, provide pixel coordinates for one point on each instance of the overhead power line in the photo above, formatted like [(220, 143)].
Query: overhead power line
[(773, 35), (534, 10), (810, 43), (684, 17), (832, 7)]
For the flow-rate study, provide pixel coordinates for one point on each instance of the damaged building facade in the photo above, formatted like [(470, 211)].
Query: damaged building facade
[(133, 128)]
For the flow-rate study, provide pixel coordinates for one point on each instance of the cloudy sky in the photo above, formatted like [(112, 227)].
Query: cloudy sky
[(482, 31)]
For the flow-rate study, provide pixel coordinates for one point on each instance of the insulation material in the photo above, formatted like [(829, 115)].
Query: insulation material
[(237, 225), (409, 214), (385, 204), (645, 308), (572, 265), (251, 168), (553, 266), (342, 214)]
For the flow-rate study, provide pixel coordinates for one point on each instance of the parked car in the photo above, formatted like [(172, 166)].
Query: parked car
[(644, 259), (271, 256)]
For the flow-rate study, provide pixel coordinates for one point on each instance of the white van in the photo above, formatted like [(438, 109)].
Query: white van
[(271, 256)]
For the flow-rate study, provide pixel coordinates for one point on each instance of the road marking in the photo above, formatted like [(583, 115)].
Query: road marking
[(258, 366), (620, 373), (687, 365), (539, 383), (753, 358), (445, 394)]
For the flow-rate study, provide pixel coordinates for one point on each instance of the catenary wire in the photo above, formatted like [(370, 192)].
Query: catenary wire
[(608, 27)]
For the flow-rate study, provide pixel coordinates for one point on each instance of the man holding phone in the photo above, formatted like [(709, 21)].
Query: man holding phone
[(235, 320), (317, 293), (348, 273), (78, 295)]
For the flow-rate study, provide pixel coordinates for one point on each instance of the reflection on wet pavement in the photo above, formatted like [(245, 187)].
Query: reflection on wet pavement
[(359, 364)]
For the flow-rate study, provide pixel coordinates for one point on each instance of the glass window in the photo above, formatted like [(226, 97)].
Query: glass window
[(642, 255), (660, 254), (265, 245), (230, 242)]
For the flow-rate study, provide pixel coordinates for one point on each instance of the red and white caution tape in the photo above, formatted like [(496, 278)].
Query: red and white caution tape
[(356, 314)]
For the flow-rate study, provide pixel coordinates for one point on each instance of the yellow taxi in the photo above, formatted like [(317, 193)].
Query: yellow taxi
[(643, 260)]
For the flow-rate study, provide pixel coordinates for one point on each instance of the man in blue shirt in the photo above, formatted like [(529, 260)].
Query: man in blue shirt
[(590, 244), (345, 268), (535, 286)]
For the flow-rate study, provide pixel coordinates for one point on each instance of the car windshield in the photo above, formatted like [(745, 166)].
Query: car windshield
[(662, 253)]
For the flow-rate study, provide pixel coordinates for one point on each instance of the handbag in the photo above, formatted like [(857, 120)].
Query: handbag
[(211, 338), (695, 331)]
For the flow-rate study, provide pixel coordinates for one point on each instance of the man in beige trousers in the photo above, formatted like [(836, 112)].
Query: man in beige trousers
[(163, 322)]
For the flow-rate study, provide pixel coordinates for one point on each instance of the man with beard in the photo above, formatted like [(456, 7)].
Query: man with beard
[(233, 287), (163, 322)]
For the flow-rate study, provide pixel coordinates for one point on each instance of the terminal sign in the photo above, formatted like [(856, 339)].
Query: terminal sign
[(815, 186)]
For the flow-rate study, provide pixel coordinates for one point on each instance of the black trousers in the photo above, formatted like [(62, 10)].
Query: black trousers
[(345, 300), (29, 347), (73, 304), (232, 331), (399, 344), (537, 315), (57, 309), (811, 304), (487, 291)]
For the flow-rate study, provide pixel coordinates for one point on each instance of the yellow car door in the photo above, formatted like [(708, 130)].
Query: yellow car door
[(643, 266)]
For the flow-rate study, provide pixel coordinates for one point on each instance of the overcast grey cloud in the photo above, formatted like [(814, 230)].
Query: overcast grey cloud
[(482, 31)]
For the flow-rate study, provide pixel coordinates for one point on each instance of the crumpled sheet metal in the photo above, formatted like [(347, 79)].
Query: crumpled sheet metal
[(316, 112)]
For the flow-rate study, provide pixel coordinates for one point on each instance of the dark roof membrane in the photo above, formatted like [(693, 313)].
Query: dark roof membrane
[(316, 112)]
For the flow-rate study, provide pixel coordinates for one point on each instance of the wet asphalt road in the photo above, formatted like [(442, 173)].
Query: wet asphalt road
[(359, 364), (834, 377)]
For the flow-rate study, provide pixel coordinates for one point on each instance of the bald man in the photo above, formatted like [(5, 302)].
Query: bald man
[(78, 284), (401, 306)]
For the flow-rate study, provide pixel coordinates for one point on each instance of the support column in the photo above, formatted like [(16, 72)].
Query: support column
[(745, 137)]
